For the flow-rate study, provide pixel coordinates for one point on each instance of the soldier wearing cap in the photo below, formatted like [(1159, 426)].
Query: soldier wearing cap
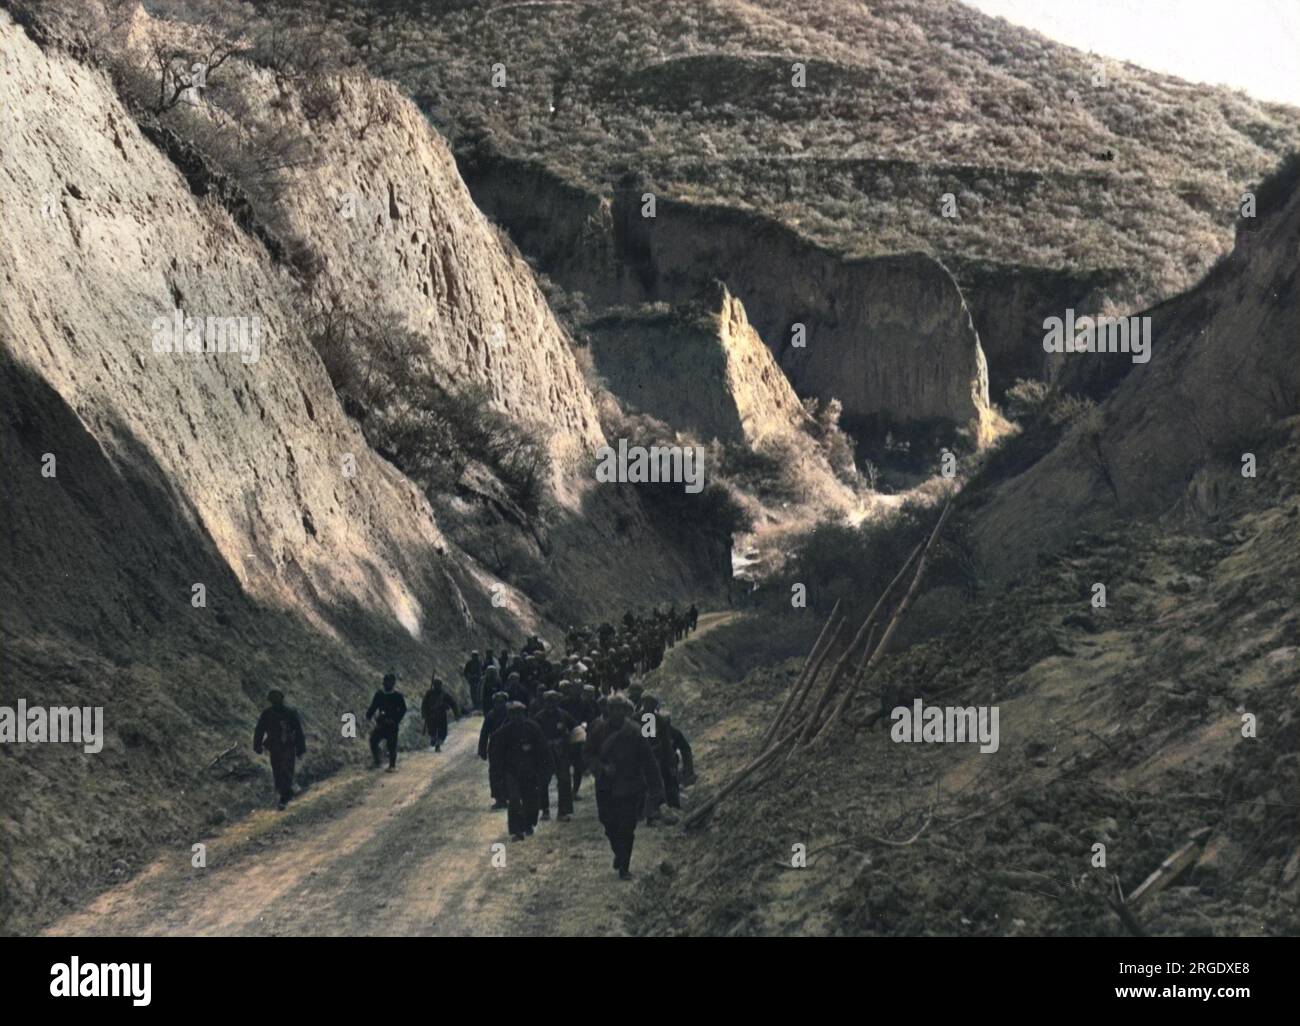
[(493, 720), (556, 726), (627, 778), (519, 757), (387, 709)]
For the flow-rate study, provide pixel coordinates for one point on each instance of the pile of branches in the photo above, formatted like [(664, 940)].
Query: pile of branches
[(795, 727)]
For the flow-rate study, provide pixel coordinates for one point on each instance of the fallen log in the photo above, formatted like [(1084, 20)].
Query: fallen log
[(741, 777), (1171, 868), (221, 756)]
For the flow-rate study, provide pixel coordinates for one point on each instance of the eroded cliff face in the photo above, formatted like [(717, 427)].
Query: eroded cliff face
[(1224, 365), (700, 367), (404, 233), (254, 441), (890, 337), (765, 402), (186, 530), (1009, 304)]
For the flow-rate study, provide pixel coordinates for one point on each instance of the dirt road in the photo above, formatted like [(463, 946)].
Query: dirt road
[(373, 853)]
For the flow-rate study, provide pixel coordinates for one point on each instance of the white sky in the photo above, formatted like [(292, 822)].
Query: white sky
[(1250, 44)]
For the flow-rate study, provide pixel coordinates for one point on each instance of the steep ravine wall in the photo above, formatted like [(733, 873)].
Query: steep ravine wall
[(1171, 435), (1009, 304), (699, 367), (887, 336), (414, 245)]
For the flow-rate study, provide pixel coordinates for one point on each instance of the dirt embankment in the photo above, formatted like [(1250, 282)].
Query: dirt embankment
[(1174, 433)]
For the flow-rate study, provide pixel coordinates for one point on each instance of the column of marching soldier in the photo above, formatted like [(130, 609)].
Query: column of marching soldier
[(545, 719)]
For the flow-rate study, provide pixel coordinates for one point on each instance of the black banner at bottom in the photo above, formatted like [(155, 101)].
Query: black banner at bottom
[(152, 976)]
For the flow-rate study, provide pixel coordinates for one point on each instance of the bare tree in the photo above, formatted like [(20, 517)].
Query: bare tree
[(182, 72)]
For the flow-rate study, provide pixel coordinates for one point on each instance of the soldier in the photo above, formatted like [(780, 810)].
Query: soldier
[(391, 707), (489, 686), (686, 775), (517, 691), (473, 674), (279, 728), (621, 668), (522, 762), (659, 734), (626, 777), (584, 711), (433, 710), (493, 720), (518, 664), (692, 617), (556, 726)]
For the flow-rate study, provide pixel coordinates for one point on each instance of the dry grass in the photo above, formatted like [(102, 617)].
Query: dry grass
[(904, 102)]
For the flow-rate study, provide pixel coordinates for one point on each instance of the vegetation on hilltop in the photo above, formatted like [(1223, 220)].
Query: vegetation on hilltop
[(1055, 158)]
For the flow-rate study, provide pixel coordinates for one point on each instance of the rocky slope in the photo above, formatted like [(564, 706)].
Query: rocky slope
[(1162, 714), (1174, 434), (1122, 727)]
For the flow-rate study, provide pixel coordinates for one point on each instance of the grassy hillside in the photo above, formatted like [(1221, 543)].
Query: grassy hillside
[(1054, 158)]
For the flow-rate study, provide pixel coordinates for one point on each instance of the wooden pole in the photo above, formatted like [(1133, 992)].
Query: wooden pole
[(802, 726), (816, 670), (797, 684), (895, 622), (854, 683), (838, 669), (741, 777)]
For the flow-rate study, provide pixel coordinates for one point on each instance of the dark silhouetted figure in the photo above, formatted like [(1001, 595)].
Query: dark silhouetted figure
[(473, 674), (520, 759), (390, 707), (493, 720), (279, 729), (433, 711), (627, 778), (584, 711), (556, 726)]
